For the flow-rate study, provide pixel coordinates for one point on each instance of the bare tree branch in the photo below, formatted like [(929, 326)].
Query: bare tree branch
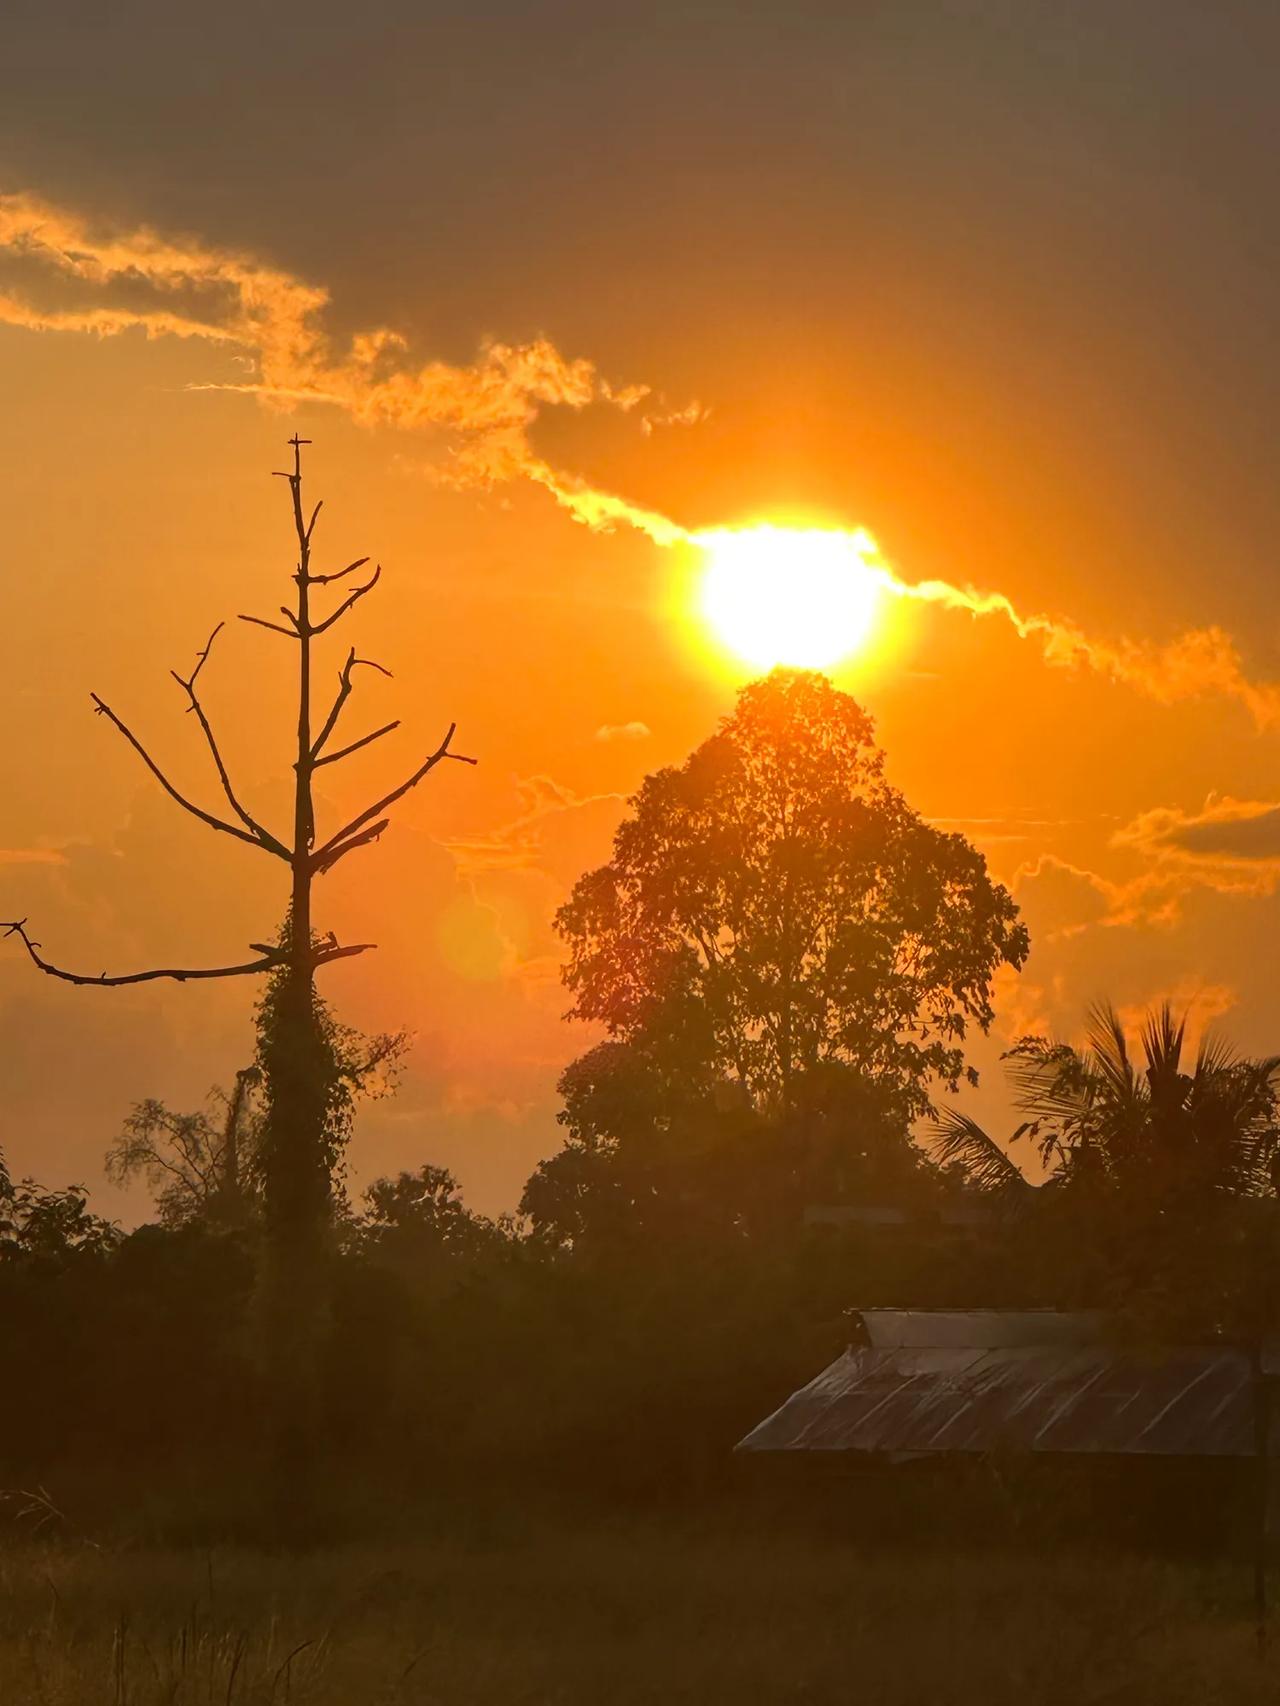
[(326, 860), (245, 835), (269, 841), (271, 958), (324, 856), (331, 949), (352, 598), (326, 580), (180, 975), (365, 740), (261, 622), (344, 692)]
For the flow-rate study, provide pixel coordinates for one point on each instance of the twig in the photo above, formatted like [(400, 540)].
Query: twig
[(268, 840), (261, 622), (365, 740), (352, 598), (326, 860), (253, 839), (343, 694), (334, 848), (326, 580)]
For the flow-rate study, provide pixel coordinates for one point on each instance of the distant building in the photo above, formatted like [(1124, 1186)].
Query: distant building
[(920, 1383)]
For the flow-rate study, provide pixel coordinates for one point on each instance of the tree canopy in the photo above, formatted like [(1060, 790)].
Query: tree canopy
[(1160, 1172), (774, 904), (1157, 1128)]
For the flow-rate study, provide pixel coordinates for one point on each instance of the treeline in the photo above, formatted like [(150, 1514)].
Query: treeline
[(785, 962)]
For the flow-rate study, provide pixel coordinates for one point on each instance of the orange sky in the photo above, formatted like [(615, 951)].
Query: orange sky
[(1024, 339)]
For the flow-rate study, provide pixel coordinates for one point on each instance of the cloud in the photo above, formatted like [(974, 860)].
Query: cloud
[(1226, 831), (623, 731), (549, 815), (1201, 1003), (486, 410), (1062, 900), (1203, 662), (1231, 847), (182, 288), (693, 414)]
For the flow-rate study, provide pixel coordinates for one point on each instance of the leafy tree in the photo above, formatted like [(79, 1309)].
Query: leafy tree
[(344, 1067), (209, 1165), (1160, 1171), (785, 957), (652, 1155), (50, 1225), (1146, 1129), (418, 1224), (193, 1164), (774, 905)]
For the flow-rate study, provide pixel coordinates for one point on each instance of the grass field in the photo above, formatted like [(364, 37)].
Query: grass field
[(600, 1616)]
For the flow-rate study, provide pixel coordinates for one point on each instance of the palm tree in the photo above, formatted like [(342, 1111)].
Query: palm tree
[(1146, 1130)]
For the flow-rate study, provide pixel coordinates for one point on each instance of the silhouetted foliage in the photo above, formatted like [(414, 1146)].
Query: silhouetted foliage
[(307, 1079), (193, 1164), (1159, 1172), (339, 1066), (785, 957), (774, 904), (786, 961), (50, 1225), (208, 1165)]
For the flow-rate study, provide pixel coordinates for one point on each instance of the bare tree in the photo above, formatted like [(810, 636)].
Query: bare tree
[(299, 951), (193, 1164), (297, 1056)]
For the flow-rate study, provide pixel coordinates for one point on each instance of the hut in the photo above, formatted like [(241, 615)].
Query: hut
[(922, 1383)]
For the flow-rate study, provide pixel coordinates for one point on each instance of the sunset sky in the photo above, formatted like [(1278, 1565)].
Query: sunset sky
[(565, 295)]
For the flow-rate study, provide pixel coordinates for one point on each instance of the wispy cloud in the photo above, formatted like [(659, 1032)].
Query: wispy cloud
[(1200, 1002), (1230, 846), (487, 410), (1201, 663), (1063, 899), (141, 281), (520, 844), (622, 731), (1225, 830)]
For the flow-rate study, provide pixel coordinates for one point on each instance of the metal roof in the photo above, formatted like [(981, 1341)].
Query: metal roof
[(1018, 1380)]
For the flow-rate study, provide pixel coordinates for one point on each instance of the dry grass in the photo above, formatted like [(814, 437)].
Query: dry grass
[(615, 1618)]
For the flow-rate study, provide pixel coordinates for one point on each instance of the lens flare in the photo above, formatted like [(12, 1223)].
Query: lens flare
[(781, 595)]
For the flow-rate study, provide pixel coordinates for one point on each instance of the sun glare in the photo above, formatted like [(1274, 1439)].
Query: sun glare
[(781, 595)]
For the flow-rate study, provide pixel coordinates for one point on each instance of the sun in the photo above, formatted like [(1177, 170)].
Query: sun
[(806, 597)]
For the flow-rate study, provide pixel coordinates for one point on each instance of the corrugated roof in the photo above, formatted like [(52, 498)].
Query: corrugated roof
[(1020, 1381), (892, 1329)]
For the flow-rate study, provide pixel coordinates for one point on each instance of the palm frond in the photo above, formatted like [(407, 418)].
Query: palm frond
[(1215, 1055), (959, 1141), (1163, 1039), (1109, 1052)]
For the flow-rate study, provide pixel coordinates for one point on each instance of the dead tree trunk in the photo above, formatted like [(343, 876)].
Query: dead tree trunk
[(298, 1161), (230, 1181)]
